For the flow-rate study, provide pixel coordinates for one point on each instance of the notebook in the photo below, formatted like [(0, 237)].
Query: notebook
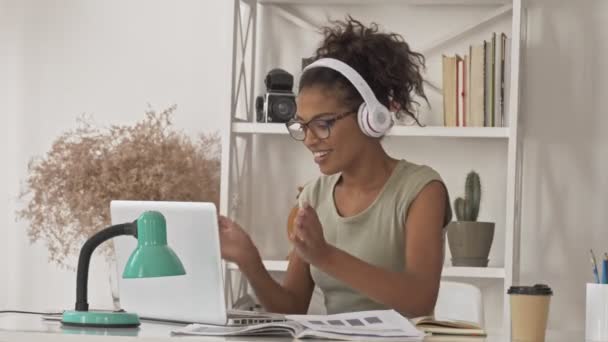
[(444, 326)]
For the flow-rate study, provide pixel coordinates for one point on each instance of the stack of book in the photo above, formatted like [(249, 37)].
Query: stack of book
[(475, 86)]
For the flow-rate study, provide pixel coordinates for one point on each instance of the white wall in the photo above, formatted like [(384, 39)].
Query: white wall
[(108, 59), (565, 173), (11, 28)]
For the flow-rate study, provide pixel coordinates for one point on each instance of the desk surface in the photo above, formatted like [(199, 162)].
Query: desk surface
[(21, 327)]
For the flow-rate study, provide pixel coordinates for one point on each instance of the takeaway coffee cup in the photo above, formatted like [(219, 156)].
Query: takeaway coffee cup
[(529, 312)]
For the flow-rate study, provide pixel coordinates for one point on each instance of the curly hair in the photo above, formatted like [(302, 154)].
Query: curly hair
[(384, 60)]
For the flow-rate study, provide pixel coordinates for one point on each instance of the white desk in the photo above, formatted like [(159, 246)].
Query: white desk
[(27, 328)]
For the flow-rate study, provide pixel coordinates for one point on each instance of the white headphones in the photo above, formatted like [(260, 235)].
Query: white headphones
[(373, 117)]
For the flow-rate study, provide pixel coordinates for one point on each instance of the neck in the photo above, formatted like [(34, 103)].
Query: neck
[(370, 171)]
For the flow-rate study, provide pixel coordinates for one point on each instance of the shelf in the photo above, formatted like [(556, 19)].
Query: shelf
[(455, 132), (271, 265), (383, 2), (403, 131), (474, 272), (448, 272), (259, 128)]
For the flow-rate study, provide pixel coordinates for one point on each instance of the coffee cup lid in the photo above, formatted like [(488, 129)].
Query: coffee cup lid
[(538, 290)]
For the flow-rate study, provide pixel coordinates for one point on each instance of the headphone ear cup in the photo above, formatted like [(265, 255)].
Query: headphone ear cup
[(381, 121), (362, 118), (374, 122)]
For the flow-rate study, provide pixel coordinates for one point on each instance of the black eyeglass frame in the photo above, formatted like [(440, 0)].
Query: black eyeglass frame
[(329, 122)]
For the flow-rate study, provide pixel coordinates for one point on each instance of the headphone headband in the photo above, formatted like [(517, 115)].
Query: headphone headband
[(352, 75)]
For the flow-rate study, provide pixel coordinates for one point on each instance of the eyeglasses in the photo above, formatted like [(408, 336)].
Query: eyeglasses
[(320, 126)]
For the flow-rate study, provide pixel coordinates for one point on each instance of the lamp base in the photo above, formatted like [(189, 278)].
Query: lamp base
[(100, 319)]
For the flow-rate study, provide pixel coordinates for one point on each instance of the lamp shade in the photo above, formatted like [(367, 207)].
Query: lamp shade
[(152, 258)]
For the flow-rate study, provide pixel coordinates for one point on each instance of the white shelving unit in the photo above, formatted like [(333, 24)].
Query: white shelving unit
[(397, 131), (380, 2), (240, 127), (448, 272)]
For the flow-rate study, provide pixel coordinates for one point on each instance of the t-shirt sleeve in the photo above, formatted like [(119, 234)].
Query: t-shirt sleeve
[(419, 179), (309, 194)]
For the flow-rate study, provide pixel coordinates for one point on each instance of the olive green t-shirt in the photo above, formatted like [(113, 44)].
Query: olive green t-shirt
[(375, 235)]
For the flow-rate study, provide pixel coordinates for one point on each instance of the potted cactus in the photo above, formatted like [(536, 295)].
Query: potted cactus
[(469, 240)]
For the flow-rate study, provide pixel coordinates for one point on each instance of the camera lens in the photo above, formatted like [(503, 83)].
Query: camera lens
[(284, 108)]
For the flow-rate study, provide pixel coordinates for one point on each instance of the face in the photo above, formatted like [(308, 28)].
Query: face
[(322, 110)]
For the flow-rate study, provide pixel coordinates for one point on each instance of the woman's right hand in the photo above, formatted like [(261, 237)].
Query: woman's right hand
[(236, 245)]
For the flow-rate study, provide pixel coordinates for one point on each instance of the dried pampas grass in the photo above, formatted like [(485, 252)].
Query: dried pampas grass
[(69, 190)]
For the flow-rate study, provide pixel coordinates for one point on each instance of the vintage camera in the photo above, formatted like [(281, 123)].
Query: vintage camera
[(279, 102)]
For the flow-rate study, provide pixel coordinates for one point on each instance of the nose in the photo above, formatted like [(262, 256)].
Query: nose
[(310, 138)]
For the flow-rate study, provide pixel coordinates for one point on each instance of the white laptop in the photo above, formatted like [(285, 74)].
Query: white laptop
[(198, 296)]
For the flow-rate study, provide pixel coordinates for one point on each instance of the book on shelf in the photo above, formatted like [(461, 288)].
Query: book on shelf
[(505, 78), (450, 97), (488, 82), (378, 325), (445, 326), (461, 91), (476, 85), (477, 92)]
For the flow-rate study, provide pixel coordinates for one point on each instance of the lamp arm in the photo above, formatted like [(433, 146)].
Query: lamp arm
[(82, 275)]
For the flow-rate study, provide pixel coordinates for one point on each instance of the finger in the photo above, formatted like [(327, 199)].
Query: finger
[(298, 243), (301, 234), (306, 222), (299, 221), (223, 222), (291, 235), (305, 219), (308, 211), (227, 222), (301, 213)]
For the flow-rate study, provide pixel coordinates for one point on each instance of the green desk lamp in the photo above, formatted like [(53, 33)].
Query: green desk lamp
[(152, 258)]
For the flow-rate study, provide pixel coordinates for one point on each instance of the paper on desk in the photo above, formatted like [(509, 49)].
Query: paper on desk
[(381, 325), (385, 323), (274, 328)]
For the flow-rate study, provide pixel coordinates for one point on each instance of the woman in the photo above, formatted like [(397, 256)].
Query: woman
[(370, 230)]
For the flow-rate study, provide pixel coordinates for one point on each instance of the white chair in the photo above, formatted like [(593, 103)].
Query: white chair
[(459, 301)]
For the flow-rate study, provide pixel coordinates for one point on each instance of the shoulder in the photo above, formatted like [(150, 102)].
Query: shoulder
[(424, 182), (415, 176), (314, 189)]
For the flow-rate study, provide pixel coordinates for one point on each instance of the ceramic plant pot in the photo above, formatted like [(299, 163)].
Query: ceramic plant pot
[(470, 242)]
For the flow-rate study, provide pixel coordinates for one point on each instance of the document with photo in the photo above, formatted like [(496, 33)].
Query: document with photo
[(379, 325)]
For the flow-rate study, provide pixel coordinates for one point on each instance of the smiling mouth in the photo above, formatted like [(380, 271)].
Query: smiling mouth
[(320, 156)]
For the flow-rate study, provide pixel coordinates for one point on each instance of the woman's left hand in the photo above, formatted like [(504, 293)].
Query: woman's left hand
[(308, 238)]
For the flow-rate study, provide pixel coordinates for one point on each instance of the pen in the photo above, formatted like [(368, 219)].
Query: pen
[(594, 266), (605, 269)]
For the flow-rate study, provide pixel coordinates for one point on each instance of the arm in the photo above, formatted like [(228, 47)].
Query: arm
[(293, 297), (412, 292)]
